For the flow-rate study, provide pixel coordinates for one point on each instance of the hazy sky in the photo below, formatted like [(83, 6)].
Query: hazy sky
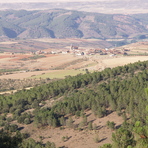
[(20, 1)]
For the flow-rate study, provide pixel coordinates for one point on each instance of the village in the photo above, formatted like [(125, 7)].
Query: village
[(78, 51), (65, 57)]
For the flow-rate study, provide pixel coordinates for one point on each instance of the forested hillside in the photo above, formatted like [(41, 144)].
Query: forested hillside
[(71, 24), (122, 89)]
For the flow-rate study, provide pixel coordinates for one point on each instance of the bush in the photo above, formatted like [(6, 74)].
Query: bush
[(65, 138), (9, 119), (13, 128), (106, 146), (97, 139), (27, 121), (111, 125), (2, 123)]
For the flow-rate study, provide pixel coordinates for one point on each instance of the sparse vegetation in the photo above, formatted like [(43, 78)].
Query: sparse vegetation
[(8, 70), (33, 57), (16, 84)]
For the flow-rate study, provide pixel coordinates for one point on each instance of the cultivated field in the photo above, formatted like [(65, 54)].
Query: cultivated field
[(137, 48), (120, 61), (24, 62), (59, 65)]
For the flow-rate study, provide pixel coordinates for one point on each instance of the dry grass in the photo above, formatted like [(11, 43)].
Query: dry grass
[(120, 61), (59, 74), (47, 63), (42, 74), (139, 47), (8, 42), (76, 138)]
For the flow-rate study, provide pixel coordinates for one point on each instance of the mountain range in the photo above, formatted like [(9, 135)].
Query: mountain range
[(60, 23)]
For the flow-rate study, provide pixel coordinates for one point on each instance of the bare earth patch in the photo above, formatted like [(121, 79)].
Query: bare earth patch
[(76, 138)]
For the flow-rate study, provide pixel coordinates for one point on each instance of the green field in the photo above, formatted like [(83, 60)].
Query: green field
[(60, 74)]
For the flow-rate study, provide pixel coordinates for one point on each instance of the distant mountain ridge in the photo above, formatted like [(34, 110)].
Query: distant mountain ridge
[(59, 23), (99, 6)]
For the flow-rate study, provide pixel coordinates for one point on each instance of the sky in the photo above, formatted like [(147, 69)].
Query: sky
[(21, 1)]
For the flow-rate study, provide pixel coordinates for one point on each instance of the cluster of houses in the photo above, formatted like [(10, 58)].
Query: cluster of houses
[(80, 52)]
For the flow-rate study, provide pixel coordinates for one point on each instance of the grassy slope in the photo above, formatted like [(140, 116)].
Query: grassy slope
[(60, 74)]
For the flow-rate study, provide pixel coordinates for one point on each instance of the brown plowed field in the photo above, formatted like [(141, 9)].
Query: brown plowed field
[(60, 61)]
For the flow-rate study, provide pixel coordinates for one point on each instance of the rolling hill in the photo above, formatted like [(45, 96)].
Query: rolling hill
[(80, 111), (59, 23)]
